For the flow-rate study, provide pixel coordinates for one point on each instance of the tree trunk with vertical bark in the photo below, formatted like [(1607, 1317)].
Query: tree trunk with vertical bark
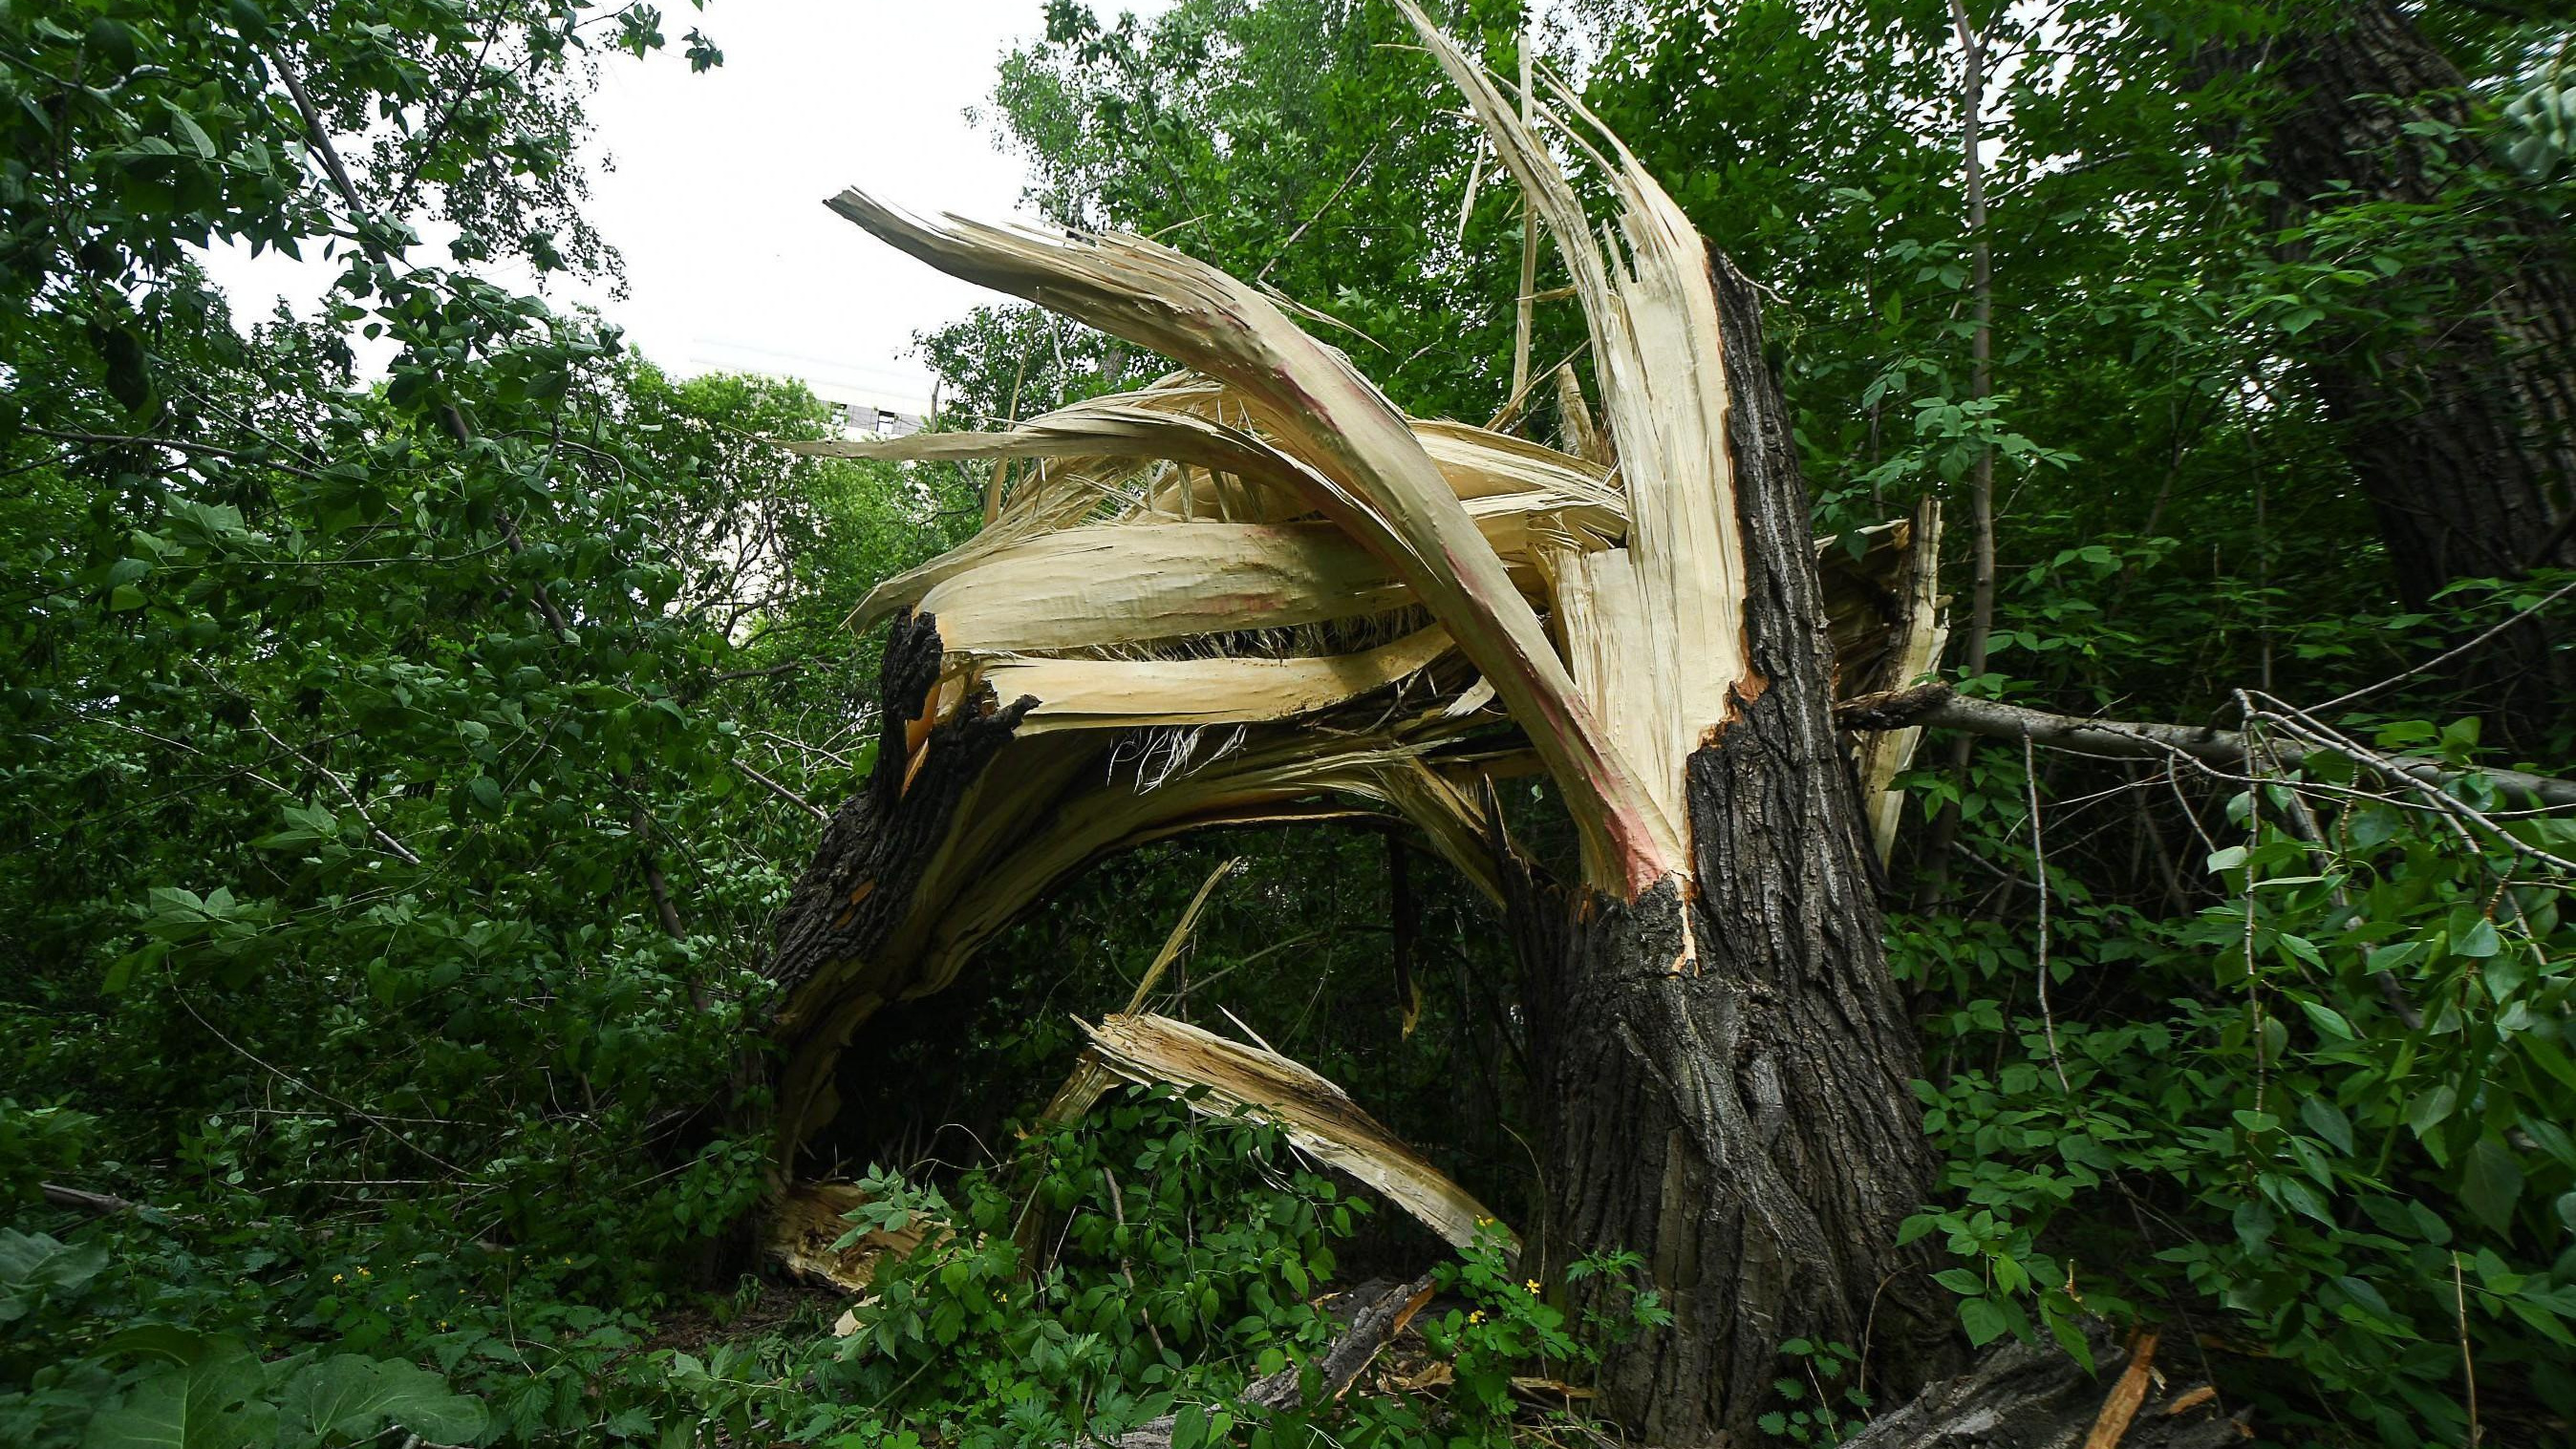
[(1746, 1124), (2463, 429), (860, 887)]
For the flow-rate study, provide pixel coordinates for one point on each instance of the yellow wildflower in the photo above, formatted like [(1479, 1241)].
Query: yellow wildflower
[(1532, 1286), (337, 1278), (363, 1273), (1477, 1316)]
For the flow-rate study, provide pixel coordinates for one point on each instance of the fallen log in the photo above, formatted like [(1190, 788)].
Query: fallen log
[(2023, 1395), (2034, 1396), (81, 1200)]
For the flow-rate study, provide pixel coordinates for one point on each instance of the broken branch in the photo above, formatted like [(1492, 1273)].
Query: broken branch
[(1938, 704)]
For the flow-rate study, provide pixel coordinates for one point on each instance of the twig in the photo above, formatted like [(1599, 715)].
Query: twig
[(175, 445), (319, 139), (98, 1204), (2303, 824), (1118, 1210), (2468, 1363), (783, 793), (1320, 212), (2253, 975), (1511, 407), (2307, 727), (2453, 652), (378, 832), (2039, 877), (295, 1081), (665, 908), (771, 672)]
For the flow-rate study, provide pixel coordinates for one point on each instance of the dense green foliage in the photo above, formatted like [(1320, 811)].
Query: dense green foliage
[(404, 756)]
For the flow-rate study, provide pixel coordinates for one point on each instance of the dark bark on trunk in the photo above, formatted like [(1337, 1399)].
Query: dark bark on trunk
[(2463, 430), (1746, 1125), (860, 885)]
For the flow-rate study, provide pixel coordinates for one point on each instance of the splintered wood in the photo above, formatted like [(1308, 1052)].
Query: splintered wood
[(1254, 590), (807, 1221), (1316, 1115)]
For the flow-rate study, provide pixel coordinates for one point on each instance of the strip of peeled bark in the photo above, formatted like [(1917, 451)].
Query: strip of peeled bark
[(1746, 1124), (1318, 1116), (1653, 317)]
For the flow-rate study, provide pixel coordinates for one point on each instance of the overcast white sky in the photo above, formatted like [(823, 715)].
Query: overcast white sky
[(716, 196)]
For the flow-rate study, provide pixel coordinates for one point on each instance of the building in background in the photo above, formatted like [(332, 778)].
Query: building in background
[(870, 402), (862, 418)]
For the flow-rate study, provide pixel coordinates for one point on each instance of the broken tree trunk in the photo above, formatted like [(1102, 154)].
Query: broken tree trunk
[(1722, 1057), (1745, 1121), (860, 886)]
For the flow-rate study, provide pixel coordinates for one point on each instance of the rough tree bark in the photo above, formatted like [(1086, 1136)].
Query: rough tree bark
[(1746, 1124), (873, 852), (2463, 431)]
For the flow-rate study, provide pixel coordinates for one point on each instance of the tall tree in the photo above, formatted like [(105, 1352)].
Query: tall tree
[(2461, 406)]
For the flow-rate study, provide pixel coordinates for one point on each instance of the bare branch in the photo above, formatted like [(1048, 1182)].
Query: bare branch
[(1936, 704)]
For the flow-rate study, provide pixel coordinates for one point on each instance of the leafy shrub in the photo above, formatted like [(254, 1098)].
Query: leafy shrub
[(2340, 1144), (1103, 1276)]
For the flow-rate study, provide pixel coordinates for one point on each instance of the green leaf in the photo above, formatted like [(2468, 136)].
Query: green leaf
[(194, 134), (2478, 941), (164, 1341), (1983, 1320), (33, 1264), (2328, 1020), (2431, 1109), (211, 1403), (2491, 1182), (351, 1396), (2327, 1120)]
